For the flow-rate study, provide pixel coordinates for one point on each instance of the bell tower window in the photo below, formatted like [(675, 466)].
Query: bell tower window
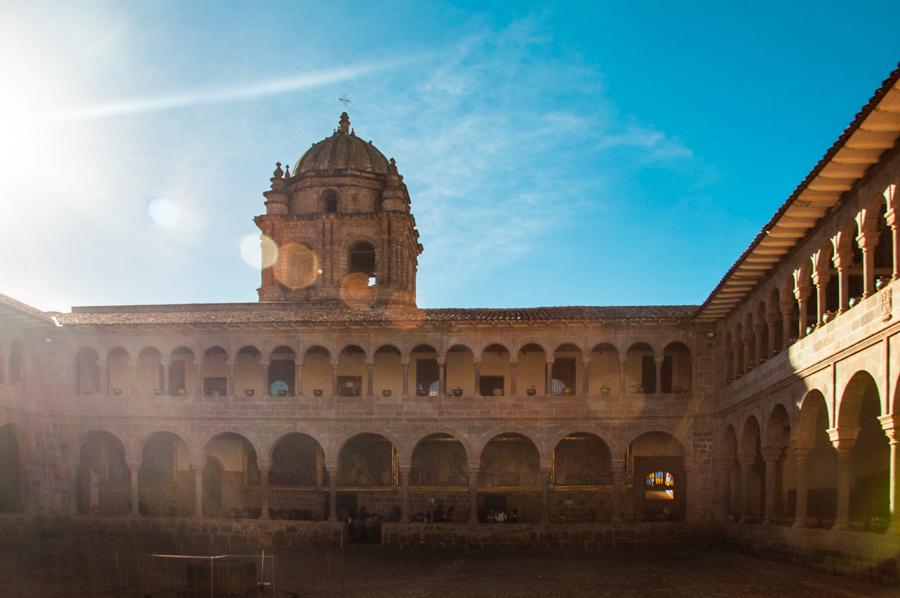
[(362, 260), (330, 201)]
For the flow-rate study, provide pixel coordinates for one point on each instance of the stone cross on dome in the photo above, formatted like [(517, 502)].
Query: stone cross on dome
[(344, 125)]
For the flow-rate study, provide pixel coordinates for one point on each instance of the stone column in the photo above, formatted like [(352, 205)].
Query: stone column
[(404, 494), (746, 462), (801, 464), (771, 321), (617, 474), (134, 469), (787, 310), (298, 378), (802, 294), (370, 379), (264, 373), (198, 370), (405, 373), (513, 367), (894, 223), (198, 490), (103, 366), (771, 456), (659, 362), (586, 376), (737, 348), (332, 492), (73, 487), (867, 239), (548, 377), (749, 350), (132, 377), (165, 377), (442, 390), (473, 495), (622, 360), (842, 259), (891, 426), (843, 440), (545, 495), (264, 490), (232, 382), (820, 277), (334, 378), (477, 392)]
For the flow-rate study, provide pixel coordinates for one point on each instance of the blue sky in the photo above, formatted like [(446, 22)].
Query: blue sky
[(556, 154)]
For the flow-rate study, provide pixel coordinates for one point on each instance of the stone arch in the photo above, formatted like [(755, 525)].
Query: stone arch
[(198, 450), (329, 202), (103, 476), (640, 368), (533, 373), (231, 467), (495, 371), (852, 396), (460, 363), (352, 371), (387, 361), (366, 460), (482, 440), (810, 405), (283, 460), (582, 459), (165, 477), (439, 459), (317, 370), (182, 372), (405, 451), (567, 371), (118, 370), (215, 372), (676, 370), (149, 371), (604, 369), (777, 430), (87, 371), (248, 371)]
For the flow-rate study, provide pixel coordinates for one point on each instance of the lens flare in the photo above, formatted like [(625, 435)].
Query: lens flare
[(163, 212), (296, 266), (259, 251)]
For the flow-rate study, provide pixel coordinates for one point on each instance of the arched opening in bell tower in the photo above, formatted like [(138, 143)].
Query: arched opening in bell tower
[(361, 259)]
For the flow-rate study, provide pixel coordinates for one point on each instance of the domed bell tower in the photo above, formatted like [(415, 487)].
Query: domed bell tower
[(339, 230)]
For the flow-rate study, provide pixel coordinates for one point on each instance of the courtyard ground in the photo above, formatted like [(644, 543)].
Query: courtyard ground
[(376, 572)]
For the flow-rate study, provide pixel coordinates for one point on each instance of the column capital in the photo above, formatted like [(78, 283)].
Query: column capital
[(746, 459), (891, 426), (772, 453), (617, 465), (843, 438)]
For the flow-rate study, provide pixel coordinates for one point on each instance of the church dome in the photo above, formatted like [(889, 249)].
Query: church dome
[(343, 151)]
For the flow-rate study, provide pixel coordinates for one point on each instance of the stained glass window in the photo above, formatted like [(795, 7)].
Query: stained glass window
[(660, 485)]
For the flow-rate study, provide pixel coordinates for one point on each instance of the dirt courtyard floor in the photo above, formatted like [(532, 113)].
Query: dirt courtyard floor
[(377, 572)]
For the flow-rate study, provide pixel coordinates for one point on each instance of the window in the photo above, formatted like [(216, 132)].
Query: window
[(563, 382), (362, 259), (491, 386), (177, 378), (281, 378), (215, 387), (659, 485), (349, 386), (427, 377), (648, 374), (330, 201)]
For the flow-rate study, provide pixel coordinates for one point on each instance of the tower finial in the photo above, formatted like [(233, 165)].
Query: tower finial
[(344, 125)]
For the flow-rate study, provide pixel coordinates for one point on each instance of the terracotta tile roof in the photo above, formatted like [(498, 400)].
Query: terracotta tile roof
[(221, 314), (20, 312), (862, 138)]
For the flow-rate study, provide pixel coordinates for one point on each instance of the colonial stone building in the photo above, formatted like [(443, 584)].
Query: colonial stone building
[(774, 402)]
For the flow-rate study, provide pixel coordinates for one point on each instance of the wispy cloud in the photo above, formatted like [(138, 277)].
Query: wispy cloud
[(199, 97), (505, 142)]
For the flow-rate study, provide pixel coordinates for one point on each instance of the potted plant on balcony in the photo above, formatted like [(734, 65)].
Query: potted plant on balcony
[(158, 392), (386, 392), (604, 389), (318, 392), (117, 391), (531, 391), (249, 392), (457, 392)]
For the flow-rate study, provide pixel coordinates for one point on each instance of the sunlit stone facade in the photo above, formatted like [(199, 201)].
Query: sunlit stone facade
[(775, 402)]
